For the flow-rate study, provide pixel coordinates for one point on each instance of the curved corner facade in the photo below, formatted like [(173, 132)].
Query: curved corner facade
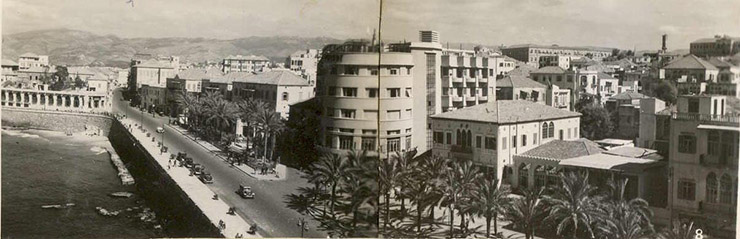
[(367, 106)]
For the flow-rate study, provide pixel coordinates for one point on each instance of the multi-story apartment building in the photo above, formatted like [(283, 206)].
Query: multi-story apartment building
[(704, 138), (628, 109), (278, 88), (241, 63), (556, 60), (578, 81), (99, 83), (690, 69), (389, 105), (717, 46), (530, 53), (151, 72), (491, 134), (30, 60), (305, 63)]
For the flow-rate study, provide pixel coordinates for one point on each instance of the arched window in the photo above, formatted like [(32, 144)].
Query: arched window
[(524, 175), (285, 96), (725, 189), (552, 130), (540, 177), (544, 130), (712, 188)]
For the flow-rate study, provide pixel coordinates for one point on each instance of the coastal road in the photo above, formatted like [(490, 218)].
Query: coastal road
[(268, 209)]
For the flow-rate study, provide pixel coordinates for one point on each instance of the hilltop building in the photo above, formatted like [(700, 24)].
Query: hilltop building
[(531, 53), (717, 46), (31, 60), (241, 63)]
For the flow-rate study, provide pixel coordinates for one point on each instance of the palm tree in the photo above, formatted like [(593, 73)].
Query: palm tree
[(418, 188), (572, 204), (330, 169), (221, 116), (457, 181), (434, 168), (490, 200), (526, 212), (388, 178), (621, 221), (248, 109), (270, 124), (616, 194)]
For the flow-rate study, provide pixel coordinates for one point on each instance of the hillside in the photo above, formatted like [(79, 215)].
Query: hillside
[(72, 47)]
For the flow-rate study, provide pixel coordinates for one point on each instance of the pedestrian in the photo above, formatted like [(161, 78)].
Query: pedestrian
[(168, 167)]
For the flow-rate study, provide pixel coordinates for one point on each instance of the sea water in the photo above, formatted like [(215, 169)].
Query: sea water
[(48, 168)]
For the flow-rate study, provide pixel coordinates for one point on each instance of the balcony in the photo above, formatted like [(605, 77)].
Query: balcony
[(469, 98), (456, 98), (483, 97), (456, 79), (461, 149), (708, 118), (469, 79)]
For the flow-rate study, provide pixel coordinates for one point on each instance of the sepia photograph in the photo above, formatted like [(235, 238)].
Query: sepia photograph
[(504, 119)]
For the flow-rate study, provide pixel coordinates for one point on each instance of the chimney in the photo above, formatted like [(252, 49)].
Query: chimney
[(664, 48)]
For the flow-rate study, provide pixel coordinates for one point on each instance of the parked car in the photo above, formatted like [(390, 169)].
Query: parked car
[(245, 192), (189, 162), (206, 178), (198, 169), (160, 130)]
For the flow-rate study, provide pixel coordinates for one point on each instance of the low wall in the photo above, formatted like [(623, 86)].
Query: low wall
[(152, 181), (57, 120)]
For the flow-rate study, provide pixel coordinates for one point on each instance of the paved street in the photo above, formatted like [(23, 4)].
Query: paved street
[(268, 209)]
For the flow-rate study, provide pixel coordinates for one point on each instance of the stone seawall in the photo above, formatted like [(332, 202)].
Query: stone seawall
[(185, 218), (58, 120)]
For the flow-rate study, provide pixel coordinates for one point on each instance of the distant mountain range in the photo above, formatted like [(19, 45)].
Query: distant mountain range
[(73, 47)]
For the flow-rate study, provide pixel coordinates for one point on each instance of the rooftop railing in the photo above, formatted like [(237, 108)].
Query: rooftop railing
[(733, 119)]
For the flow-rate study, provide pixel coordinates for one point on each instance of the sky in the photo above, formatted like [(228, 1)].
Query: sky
[(626, 24)]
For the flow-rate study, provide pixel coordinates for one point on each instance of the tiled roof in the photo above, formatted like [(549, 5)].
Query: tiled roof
[(609, 162), (550, 70), (603, 75), (192, 74), (690, 62), (521, 70), (6, 62), (275, 77), (628, 95), (250, 57), (518, 82), (719, 63), (507, 111), (634, 152), (561, 149)]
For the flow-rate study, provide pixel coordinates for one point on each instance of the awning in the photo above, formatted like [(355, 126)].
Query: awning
[(608, 162), (719, 127)]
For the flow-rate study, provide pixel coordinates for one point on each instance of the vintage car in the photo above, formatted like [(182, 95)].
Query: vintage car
[(206, 178), (198, 169), (245, 192), (189, 163), (160, 130)]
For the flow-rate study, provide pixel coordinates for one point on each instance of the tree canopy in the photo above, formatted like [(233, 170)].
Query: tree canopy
[(595, 122)]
